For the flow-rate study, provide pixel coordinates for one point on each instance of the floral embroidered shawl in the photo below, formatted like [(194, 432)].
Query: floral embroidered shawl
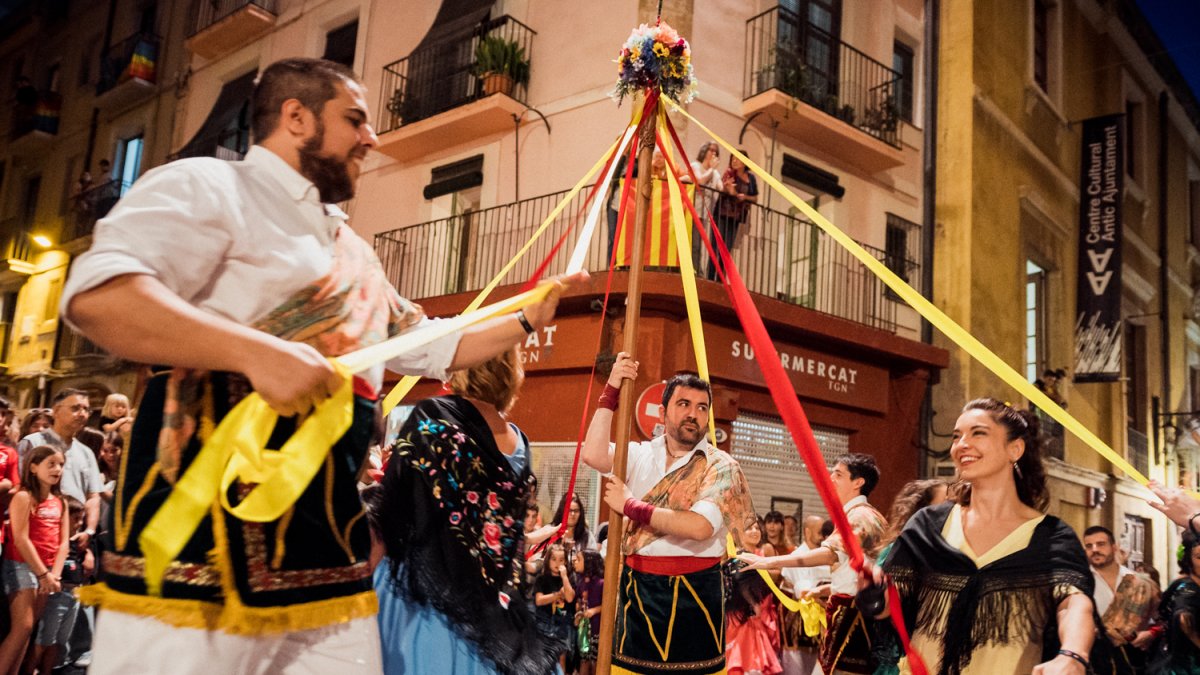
[(450, 513)]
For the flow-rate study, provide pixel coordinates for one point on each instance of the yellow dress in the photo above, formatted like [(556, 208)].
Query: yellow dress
[(991, 658)]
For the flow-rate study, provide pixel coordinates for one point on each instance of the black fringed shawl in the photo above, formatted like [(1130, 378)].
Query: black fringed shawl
[(450, 512), (1014, 599)]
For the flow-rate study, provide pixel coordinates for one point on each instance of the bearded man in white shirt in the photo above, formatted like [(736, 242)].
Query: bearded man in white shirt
[(680, 496), (1125, 600), (240, 276)]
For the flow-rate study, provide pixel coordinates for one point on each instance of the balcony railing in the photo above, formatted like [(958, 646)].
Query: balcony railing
[(779, 255), (209, 12), (93, 204), (1138, 453), (135, 57), (786, 52), (35, 111), (443, 76)]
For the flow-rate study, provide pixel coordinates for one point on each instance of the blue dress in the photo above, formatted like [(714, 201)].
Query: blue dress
[(418, 639)]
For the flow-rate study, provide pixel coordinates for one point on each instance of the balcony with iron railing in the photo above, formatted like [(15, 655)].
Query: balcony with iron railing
[(220, 26), (779, 255), (822, 90), (467, 86), (128, 70), (91, 205)]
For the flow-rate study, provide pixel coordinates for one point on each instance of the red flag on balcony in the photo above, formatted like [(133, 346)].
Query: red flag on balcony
[(660, 249)]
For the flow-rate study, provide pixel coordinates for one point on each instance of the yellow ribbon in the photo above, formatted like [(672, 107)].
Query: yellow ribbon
[(238, 442), (813, 616), (931, 313), (696, 328), (790, 603), (691, 299)]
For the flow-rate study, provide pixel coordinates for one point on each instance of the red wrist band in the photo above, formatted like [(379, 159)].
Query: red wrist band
[(638, 511), (611, 397)]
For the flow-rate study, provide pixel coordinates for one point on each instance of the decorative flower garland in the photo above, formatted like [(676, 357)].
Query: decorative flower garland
[(656, 57)]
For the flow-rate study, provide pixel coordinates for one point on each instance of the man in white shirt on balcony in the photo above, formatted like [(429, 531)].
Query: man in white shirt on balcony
[(239, 276)]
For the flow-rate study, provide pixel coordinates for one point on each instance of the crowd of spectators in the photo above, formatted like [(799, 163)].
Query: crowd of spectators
[(58, 470)]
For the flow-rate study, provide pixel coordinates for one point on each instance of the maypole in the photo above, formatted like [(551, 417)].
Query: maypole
[(649, 65), (624, 417)]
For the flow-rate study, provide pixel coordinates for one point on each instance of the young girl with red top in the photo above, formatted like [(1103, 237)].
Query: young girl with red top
[(39, 535)]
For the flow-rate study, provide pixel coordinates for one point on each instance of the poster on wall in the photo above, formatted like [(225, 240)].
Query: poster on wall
[(1098, 298)]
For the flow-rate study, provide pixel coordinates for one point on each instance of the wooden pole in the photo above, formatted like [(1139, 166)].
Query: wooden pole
[(614, 562)]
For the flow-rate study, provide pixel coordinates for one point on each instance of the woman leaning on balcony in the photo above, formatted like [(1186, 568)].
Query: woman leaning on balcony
[(739, 191)]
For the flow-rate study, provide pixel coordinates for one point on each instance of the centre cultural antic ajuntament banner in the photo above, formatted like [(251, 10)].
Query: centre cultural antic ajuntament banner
[(1101, 188)]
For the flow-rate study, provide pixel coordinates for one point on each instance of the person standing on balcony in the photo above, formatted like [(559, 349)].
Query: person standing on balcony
[(682, 496), (246, 277), (708, 188), (739, 191)]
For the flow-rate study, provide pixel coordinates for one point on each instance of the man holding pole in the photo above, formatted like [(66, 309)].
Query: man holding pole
[(680, 496)]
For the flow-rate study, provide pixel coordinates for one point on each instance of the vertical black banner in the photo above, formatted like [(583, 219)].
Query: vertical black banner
[(1098, 298)]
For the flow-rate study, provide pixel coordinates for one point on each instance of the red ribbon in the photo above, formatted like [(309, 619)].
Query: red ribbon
[(789, 406)]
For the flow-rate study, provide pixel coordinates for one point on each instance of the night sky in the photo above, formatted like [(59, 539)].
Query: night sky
[(1177, 23)]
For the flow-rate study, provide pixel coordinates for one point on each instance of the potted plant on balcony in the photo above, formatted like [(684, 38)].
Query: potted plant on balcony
[(500, 64)]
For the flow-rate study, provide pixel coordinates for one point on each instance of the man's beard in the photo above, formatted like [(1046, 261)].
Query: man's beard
[(330, 175), (686, 436)]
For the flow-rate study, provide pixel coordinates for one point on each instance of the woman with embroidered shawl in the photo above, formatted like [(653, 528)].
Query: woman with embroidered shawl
[(449, 514), (991, 584), (1177, 652)]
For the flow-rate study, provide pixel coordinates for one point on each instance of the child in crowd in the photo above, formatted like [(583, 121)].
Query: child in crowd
[(589, 573), (554, 597), (33, 563), (109, 461), (116, 409), (58, 620)]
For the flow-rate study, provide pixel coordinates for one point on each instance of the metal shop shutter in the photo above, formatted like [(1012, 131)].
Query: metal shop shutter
[(763, 447)]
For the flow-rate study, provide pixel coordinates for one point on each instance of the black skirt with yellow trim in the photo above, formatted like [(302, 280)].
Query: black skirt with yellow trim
[(670, 624), (314, 556)]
